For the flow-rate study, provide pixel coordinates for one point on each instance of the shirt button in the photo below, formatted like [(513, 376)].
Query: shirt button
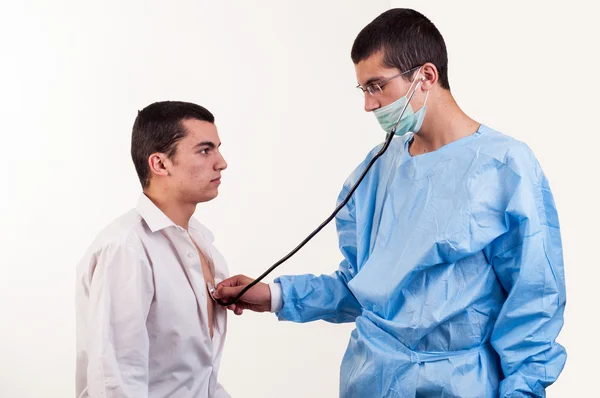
[(190, 255)]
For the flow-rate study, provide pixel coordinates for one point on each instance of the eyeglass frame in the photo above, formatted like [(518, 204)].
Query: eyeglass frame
[(379, 85)]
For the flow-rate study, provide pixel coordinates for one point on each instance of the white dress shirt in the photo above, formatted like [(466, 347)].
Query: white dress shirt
[(142, 325)]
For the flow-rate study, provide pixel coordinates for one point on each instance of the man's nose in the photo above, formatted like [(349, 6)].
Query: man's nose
[(221, 163), (371, 103)]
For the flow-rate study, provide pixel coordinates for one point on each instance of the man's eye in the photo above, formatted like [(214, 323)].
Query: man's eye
[(204, 151), (374, 88)]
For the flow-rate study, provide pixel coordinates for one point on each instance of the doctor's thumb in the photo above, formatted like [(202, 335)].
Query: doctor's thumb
[(227, 293)]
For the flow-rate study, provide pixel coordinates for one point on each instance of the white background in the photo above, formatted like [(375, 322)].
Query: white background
[(279, 79)]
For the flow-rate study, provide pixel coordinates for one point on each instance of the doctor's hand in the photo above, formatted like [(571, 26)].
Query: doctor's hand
[(257, 299)]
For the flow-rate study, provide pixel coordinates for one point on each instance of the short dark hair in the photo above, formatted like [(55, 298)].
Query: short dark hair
[(158, 128), (408, 40)]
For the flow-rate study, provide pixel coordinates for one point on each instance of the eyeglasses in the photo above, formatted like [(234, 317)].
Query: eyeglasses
[(377, 88)]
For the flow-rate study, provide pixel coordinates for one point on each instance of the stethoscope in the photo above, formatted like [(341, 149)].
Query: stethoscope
[(388, 140)]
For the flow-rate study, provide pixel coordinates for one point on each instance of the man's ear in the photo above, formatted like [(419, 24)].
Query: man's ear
[(429, 75), (159, 164)]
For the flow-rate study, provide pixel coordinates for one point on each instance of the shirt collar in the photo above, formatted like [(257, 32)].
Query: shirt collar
[(157, 220), (153, 216), (196, 226)]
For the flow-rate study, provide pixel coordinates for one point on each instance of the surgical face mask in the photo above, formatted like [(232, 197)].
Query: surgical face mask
[(391, 116)]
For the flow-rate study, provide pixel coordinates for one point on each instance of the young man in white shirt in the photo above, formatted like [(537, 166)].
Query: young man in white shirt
[(146, 323)]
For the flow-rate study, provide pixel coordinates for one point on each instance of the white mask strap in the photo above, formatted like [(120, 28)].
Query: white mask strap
[(418, 81), (426, 96)]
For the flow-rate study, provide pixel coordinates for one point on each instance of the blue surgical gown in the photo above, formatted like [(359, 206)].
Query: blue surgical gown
[(452, 272)]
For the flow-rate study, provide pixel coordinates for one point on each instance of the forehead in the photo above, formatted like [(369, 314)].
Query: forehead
[(199, 130), (372, 68)]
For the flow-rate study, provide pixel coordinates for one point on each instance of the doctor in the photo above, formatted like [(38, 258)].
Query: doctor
[(453, 269)]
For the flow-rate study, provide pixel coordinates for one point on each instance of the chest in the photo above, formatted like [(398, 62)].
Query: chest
[(412, 209), (181, 303)]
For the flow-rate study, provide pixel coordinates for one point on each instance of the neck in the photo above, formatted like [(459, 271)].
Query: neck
[(445, 122), (178, 211)]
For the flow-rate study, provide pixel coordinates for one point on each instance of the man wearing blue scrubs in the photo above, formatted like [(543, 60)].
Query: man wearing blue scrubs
[(453, 269)]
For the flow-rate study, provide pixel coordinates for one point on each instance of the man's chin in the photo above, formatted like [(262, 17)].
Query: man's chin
[(208, 196)]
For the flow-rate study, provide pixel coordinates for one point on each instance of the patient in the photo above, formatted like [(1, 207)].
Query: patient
[(146, 326)]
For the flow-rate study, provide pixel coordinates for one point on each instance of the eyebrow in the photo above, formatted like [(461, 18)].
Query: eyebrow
[(373, 80), (209, 144)]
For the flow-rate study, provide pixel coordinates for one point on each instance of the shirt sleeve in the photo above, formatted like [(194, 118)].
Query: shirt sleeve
[(276, 300), (120, 295)]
